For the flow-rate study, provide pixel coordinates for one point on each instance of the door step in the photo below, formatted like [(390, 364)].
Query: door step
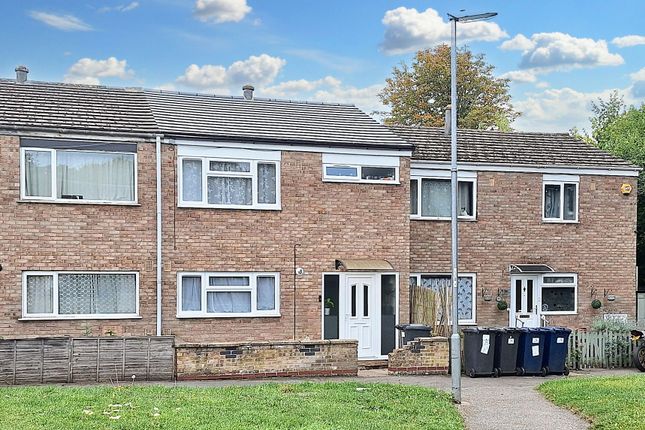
[(372, 364)]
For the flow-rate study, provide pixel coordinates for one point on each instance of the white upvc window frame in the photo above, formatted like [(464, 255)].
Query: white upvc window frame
[(54, 192), (206, 173), (561, 181), (359, 162), (573, 285), (55, 315), (205, 288), (473, 320), (469, 178), (359, 177)]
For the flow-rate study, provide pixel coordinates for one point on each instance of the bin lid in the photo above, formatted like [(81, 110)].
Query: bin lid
[(413, 327)]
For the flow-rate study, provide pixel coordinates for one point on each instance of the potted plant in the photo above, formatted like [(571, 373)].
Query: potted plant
[(329, 305), (502, 305), (596, 304)]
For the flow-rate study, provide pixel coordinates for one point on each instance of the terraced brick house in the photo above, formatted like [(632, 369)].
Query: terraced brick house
[(219, 219)]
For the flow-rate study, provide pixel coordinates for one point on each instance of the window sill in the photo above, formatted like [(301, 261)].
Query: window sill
[(359, 181), (244, 208), (179, 316), (556, 313), (417, 218), (558, 221), (79, 202), (81, 317)]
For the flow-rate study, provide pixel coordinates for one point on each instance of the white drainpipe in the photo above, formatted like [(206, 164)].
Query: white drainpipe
[(159, 236)]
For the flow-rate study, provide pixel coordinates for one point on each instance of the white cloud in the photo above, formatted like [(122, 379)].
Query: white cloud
[(545, 52), (89, 71), (61, 22), (517, 43), (638, 76), (556, 110), (298, 88), (542, 84), (365, 98), (408, 30), (520, 76), (219, 11), (120, 8), (257, 70), (626, 41)]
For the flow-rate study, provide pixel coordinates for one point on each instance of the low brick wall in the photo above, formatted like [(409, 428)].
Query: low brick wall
[(266, 359), (422, 356)]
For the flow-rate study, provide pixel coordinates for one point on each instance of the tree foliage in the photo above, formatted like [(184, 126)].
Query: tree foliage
[(620, 130), (418, 94)]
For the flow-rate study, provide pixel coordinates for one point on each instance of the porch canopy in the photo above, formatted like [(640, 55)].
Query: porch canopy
[(364, 265), (516, 269)]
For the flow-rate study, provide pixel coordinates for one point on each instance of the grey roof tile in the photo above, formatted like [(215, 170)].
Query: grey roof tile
[(267, 119), (74, 108), (87, 108), (507, 148)]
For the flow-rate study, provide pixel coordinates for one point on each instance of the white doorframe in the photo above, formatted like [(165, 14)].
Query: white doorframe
[(345, 306), (525, 307)]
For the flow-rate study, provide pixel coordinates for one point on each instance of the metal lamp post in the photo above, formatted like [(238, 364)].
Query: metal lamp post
[(455, 343)]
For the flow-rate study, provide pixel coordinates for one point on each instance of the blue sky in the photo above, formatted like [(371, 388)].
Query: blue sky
[(561, 55)]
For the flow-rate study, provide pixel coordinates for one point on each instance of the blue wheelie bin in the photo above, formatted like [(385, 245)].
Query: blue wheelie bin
[(556, 345), (530, 354)]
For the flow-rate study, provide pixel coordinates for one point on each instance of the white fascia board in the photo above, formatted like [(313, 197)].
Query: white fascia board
[(233, 153), (360, 160), (295, 148), (441, 173), (556, 170)]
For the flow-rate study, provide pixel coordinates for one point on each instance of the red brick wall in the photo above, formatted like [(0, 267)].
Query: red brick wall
[(328, 220), (601, 248), (46, 236)]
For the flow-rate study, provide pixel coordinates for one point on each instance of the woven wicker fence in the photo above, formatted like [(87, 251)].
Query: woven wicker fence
[(88, 359)]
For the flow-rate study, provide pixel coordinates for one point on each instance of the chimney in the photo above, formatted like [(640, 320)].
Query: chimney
[(447, 119), (248, 91), (21, 74)]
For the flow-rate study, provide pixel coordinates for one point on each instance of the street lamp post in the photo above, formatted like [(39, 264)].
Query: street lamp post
[(455, 342)]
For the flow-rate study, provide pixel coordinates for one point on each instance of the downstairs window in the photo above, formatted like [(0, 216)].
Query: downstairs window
[(82, 295), (227, 294)]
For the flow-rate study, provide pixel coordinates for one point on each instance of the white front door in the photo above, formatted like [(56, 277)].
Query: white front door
[(525, 302), (362, 312)]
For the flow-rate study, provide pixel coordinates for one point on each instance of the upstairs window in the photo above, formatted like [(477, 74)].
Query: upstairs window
[(430, 198), (229, 183), (78, 174), (358, 168), (560, 198)]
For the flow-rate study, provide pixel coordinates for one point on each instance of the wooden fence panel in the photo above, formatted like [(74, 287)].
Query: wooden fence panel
[(599, 349), (99, 359)]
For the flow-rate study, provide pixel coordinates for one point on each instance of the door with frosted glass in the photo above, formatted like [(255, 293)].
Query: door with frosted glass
[(362, 315), (525, 306)]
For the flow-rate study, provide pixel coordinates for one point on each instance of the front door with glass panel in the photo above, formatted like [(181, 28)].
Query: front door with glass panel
[(362, 311), (525, 306)]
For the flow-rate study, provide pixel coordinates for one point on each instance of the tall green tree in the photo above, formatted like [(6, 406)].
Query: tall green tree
[(419, 93), (620, 130)]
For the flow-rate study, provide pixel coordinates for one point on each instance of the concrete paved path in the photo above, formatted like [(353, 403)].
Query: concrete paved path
[(507, 403)]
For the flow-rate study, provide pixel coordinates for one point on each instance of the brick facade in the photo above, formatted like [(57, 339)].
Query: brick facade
[(601, 248), (421, 356), (328, 220), (266, 359)]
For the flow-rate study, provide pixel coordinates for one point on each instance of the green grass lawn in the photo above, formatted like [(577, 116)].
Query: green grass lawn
[(609, 402), (269, 406)]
